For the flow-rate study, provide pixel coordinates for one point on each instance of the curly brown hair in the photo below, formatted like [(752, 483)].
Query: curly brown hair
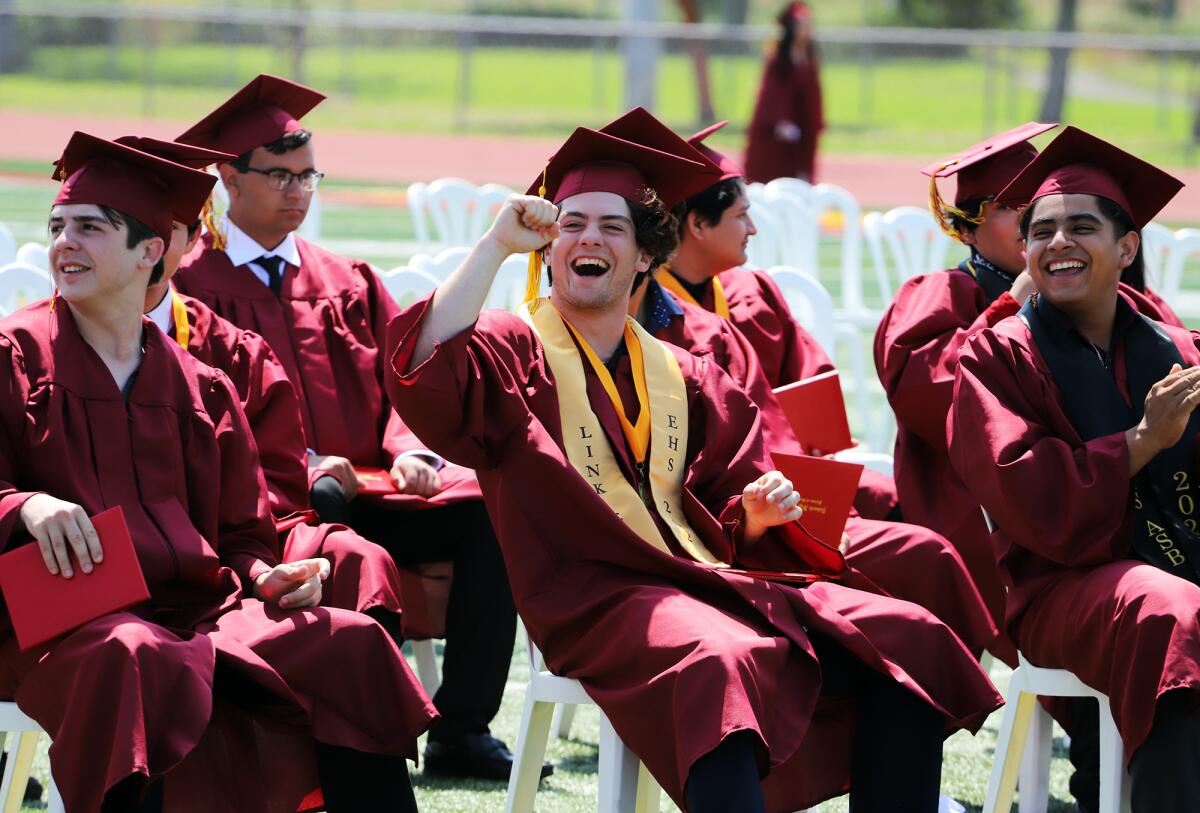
[(655, 228)]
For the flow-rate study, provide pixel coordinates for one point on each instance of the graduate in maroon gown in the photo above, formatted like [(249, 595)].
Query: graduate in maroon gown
[(706, 271), (1087, 460), (645, 531), (362, 576), (788, 115), (325, 317), (230, 670)]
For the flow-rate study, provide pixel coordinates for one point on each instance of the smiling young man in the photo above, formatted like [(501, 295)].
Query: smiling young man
[(645, 528), (229, 673), (1088, 462), (325, 317)]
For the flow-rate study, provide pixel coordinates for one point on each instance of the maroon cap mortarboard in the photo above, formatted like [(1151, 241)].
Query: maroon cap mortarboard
[(985, 168), (1078, 163), (729, 168), (185, 154), (265, 110), (594, 161), (640, 127), (154, 190)]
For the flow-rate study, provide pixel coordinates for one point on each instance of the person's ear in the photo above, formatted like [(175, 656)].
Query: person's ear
[(153, 249), (1127, 246)]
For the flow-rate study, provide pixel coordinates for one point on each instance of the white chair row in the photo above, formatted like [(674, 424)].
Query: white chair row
[(453, 212), (424, 272)]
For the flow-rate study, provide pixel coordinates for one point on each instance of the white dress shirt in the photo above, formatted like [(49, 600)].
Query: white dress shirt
[(242, 249)]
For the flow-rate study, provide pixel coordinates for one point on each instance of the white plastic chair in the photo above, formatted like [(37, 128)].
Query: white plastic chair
[(827, 197), (793, 186), (799, 238), (904, 242), (415, 198), (625, 784), (1157, 246), (1184, 245), (441, 265), (8, 245), (508, 288), (810, 304), (20, 760), (427, 665), (22, 284), (877, 461), (764, 249), (459, 210), (34, 254), (1017, 752), (406, 284)]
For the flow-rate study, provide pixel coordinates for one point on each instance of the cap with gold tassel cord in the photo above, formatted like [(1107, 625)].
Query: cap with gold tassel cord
[(594, 161), (982, 170)]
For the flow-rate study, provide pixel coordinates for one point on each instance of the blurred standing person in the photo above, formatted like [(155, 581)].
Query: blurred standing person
[(788, 117)]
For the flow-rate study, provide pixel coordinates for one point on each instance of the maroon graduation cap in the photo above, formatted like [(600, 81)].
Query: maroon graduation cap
[(729, 167), (985, 168), (798, 11), (596, 161), (154, 190), (1078, 163), (185, 154), (265, 110)]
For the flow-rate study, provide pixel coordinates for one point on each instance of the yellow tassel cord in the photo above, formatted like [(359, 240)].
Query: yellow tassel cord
[(209, 216), (943, 211), (533, 282)]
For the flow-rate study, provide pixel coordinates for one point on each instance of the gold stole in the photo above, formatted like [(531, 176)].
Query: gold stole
[(588, 448), (666, 279), (183, 330)]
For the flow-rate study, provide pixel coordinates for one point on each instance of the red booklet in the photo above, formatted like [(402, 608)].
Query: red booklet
[(826, 487), (374, 481), (44, 606), (817, 412)]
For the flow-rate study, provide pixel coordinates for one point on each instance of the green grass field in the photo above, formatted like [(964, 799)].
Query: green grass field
[(899, 106)]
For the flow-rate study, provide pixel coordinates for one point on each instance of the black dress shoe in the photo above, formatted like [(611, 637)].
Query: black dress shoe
[(478, 756)]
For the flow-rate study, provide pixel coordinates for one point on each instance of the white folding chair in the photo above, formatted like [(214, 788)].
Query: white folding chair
[(20, 760), (1157, 244), (22, 284), (793, 186), (625, 784), (798, 221), (8, 245), (427, 666), (461, 211), (441, 265), (508, 288), (827, 197), (904, 242), (415, 198), (406, 284), (34, 254), (1184, 245), (764, 249)]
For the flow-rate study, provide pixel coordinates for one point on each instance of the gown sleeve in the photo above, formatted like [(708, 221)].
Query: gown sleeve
[(13, 396), (1065, 501)]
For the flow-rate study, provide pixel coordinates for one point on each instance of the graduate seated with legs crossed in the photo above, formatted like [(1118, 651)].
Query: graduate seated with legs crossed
[(226, 687), (645, 529), (1087, 460)]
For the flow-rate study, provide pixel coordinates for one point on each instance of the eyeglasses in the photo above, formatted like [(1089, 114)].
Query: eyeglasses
[(281, 179)]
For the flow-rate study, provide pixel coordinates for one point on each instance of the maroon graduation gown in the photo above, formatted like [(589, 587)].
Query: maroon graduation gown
[(907, 561), (788, 353), (362, 574), (788, 93), (180, 460), (717, 652), (327, 327), (1064, 513)]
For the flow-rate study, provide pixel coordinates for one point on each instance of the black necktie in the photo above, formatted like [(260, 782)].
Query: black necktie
[(273, 265)]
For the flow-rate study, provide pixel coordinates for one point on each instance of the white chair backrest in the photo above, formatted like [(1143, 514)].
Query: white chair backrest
[(1184, 246), (508, 289), (22, 284), (908, 240), (795, 186), (1157, 242), (799, 238), (415, 198), (441, 265), (406, 285), (34, 254), (809, 302), (8, 245), (827, 197), (764, 248), (461, 211)]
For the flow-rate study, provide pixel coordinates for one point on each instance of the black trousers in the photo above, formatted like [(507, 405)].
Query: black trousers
[(1165, 769), (481, 619), (896, 765)]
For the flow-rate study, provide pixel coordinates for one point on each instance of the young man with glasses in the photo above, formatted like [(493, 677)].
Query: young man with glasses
[(325, 317)]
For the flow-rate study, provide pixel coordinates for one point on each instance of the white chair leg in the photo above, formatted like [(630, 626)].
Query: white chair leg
[(427, 668), (16, 772), (564, 717), (619, 770), (1014, 727), (649, 793), (1112, 764), (54, 799), (1034, 782), (531, 750)]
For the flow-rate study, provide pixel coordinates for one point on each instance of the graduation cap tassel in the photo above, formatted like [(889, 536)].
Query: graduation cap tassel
[(942, 211), (533, 282), (209, 216)]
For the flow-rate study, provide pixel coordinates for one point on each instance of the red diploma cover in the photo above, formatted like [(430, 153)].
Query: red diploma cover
[(373, 482), (44, 606), (817, 412), (827, 488)]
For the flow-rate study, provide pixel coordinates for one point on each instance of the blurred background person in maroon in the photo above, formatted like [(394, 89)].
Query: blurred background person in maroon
[(782, 138)]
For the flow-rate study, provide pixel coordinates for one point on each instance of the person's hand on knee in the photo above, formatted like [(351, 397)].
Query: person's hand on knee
[(293, 585), (338, 467), (412, 475)]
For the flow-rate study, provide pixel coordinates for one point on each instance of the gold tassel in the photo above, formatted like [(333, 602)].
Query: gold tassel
[(533, 282), (942, 211), (209, 216)]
